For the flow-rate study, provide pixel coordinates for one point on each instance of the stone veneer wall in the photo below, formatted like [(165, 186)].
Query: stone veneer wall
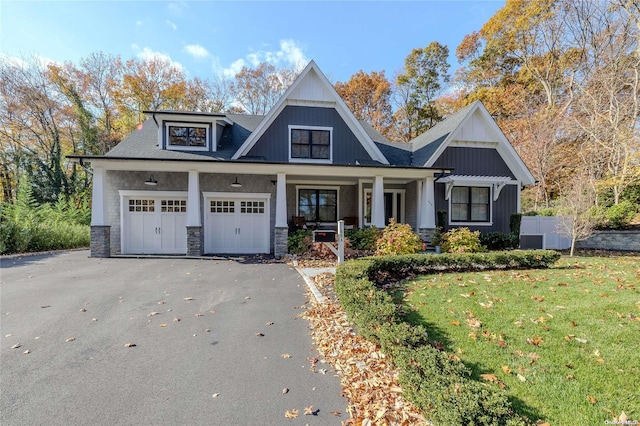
[(280, 242), (612, 240), (195, 240), (100, 245)]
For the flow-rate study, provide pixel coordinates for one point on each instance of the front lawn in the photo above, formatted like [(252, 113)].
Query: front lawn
[(563, 342)]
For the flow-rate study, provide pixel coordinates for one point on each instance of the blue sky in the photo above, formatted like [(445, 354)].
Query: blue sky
[(218, 38)]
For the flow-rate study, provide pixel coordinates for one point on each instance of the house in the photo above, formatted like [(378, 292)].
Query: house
[(195, 183)]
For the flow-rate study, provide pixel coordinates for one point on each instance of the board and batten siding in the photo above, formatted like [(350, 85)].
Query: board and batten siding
[(273, 145), (474, 162), (501, 209)]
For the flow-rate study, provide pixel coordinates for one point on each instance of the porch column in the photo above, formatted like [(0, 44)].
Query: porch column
[(281, 231), (195, 234), (100, 244), (377, 203), (427, 205)]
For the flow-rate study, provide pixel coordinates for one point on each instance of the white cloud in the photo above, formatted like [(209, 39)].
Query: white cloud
[(177, 7), (173, 26), (147, 53), (27, 61), (289, 54), (139, 23), (196, 51)]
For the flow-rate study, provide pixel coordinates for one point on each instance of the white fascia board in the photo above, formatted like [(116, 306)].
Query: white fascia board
[(340, 106)]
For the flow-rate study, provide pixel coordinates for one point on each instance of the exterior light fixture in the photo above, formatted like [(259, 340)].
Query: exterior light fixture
[(151, 181), (236, 184)]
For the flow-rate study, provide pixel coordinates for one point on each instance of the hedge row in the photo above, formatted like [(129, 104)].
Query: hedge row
[(438, 384)]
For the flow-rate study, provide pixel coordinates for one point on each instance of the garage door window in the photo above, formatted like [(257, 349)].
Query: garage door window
[(141, 205), (173, 206), (223, 207), (255, 207)]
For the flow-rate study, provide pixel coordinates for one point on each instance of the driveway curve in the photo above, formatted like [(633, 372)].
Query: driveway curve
[(158, 341)]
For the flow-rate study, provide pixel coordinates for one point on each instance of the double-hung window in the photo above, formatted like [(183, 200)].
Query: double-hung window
[(470, 204), (318, 205), (310, 143)]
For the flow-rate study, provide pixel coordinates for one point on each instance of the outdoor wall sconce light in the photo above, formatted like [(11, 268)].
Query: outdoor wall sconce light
[(151, 181), (236, 184)]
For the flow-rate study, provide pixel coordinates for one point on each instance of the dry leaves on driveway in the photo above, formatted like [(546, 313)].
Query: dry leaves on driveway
[(368, 380)]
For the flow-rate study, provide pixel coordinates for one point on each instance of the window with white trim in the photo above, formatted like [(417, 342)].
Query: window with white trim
[(310, 143), (192, 136), (318, 205), (470, 204)]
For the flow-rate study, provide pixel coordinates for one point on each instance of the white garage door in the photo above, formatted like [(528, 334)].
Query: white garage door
[(154, 225), (236, 225)]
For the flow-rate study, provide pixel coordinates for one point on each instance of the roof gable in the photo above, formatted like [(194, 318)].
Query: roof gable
[(471, 126), (312, 88)]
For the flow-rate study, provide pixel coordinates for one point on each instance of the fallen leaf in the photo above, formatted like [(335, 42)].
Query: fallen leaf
[(16, 346), (591, 399), (570, 376), (456, 323), (535, 341), (70, 339), (199, 315), (94, 319), (163, 325), (492, 379), (506, 369), (574, 324), (335, 413), (581, 340), (285, 356), (521, 378), (45, 306), (130, 345), (83, 310), (257, 333), (291, 414), (270, 323), (153, 313), (622, 418), (308, 411), (215, 395), (162, 302), (247, 298), (207, 330), (285, 391), (187, 298), (176, 319), (212, 311), (26, 352), (323, 371)]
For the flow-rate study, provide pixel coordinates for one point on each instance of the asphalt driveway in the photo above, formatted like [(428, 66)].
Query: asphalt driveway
[(200, 328)]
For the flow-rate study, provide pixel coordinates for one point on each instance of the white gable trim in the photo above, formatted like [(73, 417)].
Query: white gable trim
[(504, 148), (339, 105)]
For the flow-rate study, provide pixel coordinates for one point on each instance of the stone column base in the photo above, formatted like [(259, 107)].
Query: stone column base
[(100, 241), (195, 241), (426, 234), (280, 246)]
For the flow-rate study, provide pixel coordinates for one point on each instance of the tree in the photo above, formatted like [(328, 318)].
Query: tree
[(368, 96), (574, 210), (424, 78), (256, 90)]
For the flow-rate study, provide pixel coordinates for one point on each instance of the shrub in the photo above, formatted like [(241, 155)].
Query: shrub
[(398, 238), (299, 242), (363, 238), (514, 223), (619, 215), (462, 240), (499, 241)]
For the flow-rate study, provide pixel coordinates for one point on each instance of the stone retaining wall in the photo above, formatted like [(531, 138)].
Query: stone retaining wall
[(612, 240)]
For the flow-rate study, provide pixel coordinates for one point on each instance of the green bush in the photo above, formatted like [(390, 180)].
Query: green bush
[(440, 385), (300, 241), (363, 238), (462, 240), (620, 215), (515, 220), (499, 241), (398, 238)]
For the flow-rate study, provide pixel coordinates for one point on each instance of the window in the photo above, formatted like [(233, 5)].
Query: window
[(173, 206), (191, 136), (141, 205), (470, 204), (393, 205), (311, 143), (318, 205)]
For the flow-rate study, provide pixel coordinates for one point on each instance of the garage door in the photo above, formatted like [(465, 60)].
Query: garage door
[(234, 225), (154, 225)]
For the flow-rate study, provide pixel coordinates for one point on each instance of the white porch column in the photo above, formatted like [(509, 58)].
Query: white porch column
[(281, 201), (98, 204), (193, 199), (427, 205), (377, 203)]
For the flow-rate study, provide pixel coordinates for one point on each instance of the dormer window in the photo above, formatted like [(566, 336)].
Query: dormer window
[(191, 136), (311, 144)]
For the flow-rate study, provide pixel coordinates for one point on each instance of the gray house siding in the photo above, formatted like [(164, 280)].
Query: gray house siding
[(501, 210), (273, 145), (474, 162)]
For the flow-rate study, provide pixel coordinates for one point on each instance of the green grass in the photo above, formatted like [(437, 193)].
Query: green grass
[(533, 325)]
